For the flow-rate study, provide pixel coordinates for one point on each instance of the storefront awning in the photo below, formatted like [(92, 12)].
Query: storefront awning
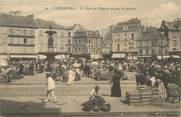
[(3, 62), (60, 57), (175, 56), (23, 56), (42, 57), (164, 57), (144, 56), (96, 56), (3, 56), (118, 56), (132, 58)]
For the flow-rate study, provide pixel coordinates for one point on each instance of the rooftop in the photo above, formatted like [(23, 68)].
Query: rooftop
[(9, 20), (130, 25), (151, 35), (12, 20), (45, 24), (174, 25)]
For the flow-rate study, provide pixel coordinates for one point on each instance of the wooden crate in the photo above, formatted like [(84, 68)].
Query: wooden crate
[(142, 95)]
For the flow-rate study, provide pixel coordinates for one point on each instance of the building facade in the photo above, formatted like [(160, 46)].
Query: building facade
[(124, 38), (174, 36), (17, 37), (69, 42), (59, 37), (62, 38), (152, 45), (23, 37), (155, 44), (86, 42)]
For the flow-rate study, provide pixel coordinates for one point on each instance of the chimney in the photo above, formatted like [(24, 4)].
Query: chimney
[(30, 18)]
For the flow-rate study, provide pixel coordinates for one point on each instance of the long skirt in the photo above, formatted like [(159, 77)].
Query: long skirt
[(116, 89), (71, 77)]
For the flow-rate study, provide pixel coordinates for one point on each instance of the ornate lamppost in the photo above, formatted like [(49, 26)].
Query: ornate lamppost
[(164, 34), (50, 54)]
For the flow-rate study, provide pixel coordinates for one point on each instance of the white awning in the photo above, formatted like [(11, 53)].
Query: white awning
[(94, 63), (42, 57), (132, 58), (164, 57), (144, 56), (96, 56), (23, 56), (118, 55), (175, 56), (3, 56), (60, 57), (3, 62)]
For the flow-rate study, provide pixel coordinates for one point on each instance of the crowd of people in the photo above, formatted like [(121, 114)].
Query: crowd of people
[(18, 69), (164, 76)]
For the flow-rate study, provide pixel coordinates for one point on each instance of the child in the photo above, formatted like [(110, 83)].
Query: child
[(50, 88)]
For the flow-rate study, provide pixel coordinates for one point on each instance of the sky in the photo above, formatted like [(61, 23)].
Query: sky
[(96, 14)]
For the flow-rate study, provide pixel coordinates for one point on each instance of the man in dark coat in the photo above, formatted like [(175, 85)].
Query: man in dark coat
[(115, 83)]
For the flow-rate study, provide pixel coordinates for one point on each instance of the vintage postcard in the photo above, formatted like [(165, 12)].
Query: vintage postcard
[(90, 58)]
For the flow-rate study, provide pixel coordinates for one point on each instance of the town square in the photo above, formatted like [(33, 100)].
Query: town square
[(74, 60)]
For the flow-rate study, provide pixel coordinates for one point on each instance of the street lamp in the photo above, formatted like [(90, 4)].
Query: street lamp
[(164, 33)]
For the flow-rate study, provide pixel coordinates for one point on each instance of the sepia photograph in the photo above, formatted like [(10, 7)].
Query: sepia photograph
[(90, 58)]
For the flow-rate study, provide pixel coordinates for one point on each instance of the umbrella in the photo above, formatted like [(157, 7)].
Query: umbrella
[(54, 65), (3, 62), (95, 63)]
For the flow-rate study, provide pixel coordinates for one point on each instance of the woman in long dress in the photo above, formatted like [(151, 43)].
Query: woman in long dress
[(115, 83), (71, 76)]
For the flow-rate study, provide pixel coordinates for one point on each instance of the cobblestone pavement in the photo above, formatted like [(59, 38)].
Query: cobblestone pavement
[(61, 90), (36, 86), (25, 95), (41, 79), (72, 104)]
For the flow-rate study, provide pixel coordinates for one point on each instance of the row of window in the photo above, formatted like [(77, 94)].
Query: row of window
[(86, 34), (57, 34), (54, 49), (130, 46), (157, 43), (29, 41), (83, 41), (86, 50), (21, 49), (124, 36), (153, 52), (79, 50), (21, 32)]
